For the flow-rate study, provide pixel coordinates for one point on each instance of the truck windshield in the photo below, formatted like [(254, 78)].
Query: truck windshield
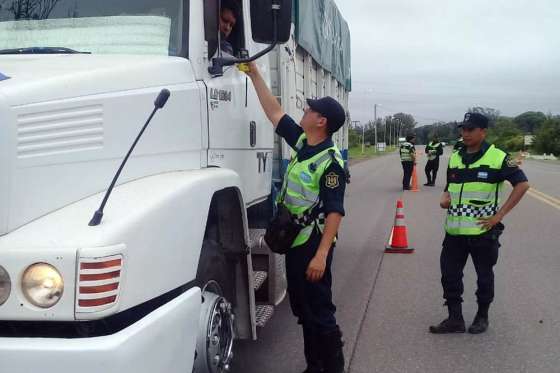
[(93, 26)]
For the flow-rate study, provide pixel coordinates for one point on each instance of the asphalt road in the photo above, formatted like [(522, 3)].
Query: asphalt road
[(387, 301)]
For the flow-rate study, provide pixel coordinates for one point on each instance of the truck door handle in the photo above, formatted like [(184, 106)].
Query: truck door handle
[(253, 134)]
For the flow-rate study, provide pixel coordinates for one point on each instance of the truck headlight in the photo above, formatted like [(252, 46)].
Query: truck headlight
[(42, 285), (5, 285)]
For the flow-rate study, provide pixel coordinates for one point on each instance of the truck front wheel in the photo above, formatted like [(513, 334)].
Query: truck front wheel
[(214, 351)]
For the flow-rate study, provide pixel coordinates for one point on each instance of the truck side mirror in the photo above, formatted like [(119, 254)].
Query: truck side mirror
[(262, 24)]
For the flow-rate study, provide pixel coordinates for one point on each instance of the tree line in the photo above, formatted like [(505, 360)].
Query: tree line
[(508, 133)]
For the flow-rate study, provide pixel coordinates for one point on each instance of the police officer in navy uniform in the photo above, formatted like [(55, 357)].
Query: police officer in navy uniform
[(433, 150), (475, 177), (407, 152), (308, 265)]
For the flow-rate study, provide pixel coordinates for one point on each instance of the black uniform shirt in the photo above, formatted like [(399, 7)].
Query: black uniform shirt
[(510, 171), (333, 180)]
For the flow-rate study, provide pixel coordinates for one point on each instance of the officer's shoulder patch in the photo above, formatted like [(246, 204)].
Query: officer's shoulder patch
[(331, 180)]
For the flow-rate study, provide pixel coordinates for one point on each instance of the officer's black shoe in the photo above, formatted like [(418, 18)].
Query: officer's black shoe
[(406, 188), (428, 184), (313, 370), (449, 326), (479, 325)]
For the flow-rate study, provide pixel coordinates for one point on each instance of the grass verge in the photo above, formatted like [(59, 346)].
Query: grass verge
[(355, 154)]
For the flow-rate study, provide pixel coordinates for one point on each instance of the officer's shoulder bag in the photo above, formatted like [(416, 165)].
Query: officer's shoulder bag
[(281, 231)]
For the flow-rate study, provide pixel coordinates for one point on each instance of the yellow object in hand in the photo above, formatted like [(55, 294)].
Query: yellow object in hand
[(243, 67)]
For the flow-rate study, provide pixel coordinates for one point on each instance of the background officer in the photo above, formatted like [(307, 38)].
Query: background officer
[(475, 178), (434, 150), (314, 186), (408, 159)]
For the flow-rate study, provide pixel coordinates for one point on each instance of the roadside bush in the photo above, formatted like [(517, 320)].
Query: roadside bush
[(547, 139)]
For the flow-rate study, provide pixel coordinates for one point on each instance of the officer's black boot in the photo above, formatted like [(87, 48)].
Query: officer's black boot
[(312, 352), (333, 356), (453, 324), (480, 322)]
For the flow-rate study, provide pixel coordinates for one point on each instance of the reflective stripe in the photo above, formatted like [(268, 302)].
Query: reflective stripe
[(294, 201), (324, 158), (298, 188), (485, 196), (462, 224)]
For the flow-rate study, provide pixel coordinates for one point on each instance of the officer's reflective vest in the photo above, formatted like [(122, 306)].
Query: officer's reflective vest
[(475, 191), (406, 151), (300, 190), (432, 150)]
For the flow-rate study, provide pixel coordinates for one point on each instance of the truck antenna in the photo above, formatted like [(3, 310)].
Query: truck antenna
[(159, 103)]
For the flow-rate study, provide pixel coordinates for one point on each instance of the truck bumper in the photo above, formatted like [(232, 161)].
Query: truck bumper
[(164, 341)]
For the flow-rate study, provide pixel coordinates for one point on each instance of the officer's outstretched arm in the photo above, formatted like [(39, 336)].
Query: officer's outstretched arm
[(269, 103)]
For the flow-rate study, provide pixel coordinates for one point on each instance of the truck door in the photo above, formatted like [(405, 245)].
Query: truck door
[(240, 137)]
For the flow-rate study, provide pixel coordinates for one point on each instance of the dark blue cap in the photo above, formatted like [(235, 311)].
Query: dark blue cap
[(330, 109), (474, 120)]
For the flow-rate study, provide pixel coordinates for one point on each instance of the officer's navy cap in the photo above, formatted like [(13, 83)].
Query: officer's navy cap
[(330, 109), (474, 120)]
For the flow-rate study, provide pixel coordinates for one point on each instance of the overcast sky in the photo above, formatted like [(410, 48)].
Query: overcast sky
[(435, 58)]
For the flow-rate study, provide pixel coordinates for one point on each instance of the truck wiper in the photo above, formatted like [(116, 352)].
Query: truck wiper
[(41, 50)]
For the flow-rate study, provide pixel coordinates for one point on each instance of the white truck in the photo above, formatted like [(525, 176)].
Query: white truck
[(174, 270)]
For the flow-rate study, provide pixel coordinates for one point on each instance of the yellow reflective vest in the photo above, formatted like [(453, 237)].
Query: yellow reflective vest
[(475, 191), (300, 190)]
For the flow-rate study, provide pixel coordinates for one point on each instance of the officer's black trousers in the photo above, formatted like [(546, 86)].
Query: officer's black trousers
[(407, 166), (431, 170), (484, 253), (311, 302)]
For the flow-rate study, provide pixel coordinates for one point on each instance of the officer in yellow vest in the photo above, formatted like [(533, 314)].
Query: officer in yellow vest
[(434, 150), (313, 192), (475, 178), (407, 152)]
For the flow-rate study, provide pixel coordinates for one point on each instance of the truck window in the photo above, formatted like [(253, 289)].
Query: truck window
[(223, 20), (101, 27)]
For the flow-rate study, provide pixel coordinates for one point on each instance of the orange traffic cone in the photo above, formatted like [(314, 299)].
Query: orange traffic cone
[(398, 242), (414, 186)]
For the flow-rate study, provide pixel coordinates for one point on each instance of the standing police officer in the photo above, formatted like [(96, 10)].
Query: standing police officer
[(475, 178), (313, 192), (408, 159), (434, 150)]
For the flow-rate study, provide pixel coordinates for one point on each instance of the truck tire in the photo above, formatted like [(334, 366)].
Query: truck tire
[(214, 351)]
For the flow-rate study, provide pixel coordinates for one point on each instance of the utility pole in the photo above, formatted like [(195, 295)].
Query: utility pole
[(375, 124), (357, 123)]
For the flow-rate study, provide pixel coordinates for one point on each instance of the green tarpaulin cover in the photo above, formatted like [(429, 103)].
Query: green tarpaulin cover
[(323, 33)]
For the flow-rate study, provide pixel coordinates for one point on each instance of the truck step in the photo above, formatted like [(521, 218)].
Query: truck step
[(259, 279), (263, 314), (256, 240)]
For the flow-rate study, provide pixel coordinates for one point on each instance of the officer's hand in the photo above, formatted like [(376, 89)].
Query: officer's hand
[(251, 69), (445, 200), (316, 268), (489, 222)]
